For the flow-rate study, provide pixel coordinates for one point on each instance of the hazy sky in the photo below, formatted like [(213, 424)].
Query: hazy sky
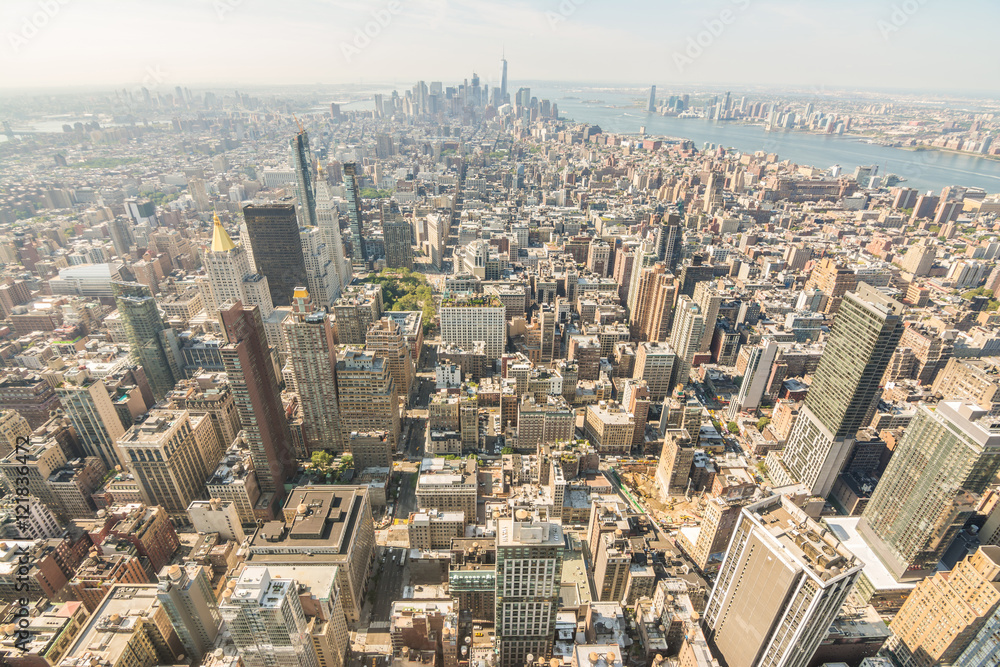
[(915, 44)]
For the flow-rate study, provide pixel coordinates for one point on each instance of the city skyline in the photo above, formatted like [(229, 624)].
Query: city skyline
[(680, 43)]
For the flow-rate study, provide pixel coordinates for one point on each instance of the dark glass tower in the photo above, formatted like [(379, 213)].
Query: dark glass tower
[(306, 194), (358, 251), (277, 249)]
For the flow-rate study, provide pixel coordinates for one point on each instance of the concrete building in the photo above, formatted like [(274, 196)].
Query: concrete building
[(656, 363), (609, 428), (87, 404), (685, 337), (217, 516), (431, 529), (187, 597), (449, 486), (366, 394), (323, 526), (171, 455), (528, 575), (466, 319), (809, 575), (385, 339), (844, 390), (266, 620), (942, 616)]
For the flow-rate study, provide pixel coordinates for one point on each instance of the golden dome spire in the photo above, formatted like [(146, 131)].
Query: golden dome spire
[(220, 238)]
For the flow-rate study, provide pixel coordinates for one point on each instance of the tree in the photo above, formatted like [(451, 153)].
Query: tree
[(322, 459), (507, 450), (762, 422), (733, 427)]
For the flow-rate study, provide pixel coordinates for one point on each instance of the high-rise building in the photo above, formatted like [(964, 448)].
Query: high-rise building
[(932, 486), (943, 614), (834, 281), (808, 574), (551, 344), (267, 622), (87, 404), (528, 575), (755, 378), (302, 163), (277, 249), (187, 597), (147, 335), (313, 355), (367, 395), (655, 363), (613, 561), (171, 455), (359, 253), (321, 273), (651, 106), (386, 339), (231, 277), (328, 220), (251, 374), (652, 315), (709, 299), (397, 237), (466, 319), (670, 241), (845, 386), (503, 81), (685, 337), (12, 427)]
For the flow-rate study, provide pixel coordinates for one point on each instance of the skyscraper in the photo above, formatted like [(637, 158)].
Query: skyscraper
[(652, 315), (251, 373), (865, 333), (782, 582), (397, 237), (942, 615), (932, 486), (754, 378), (314, 358), (685, 338), (147, 335), (231, 277), (503, 80), (670, 241), (367, 395), (277, 249), (467, 319), (171, 454), (651, 107), (186, 594), (304, 192), (386, 339), (358, 250), (89, 408), (528, 575), (267, 621)]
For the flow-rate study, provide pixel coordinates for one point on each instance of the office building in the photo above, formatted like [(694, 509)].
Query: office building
[(171, 454), (352, 172), (147, 335), (323, 280), (313, 356), (231, 277), (277, 249), (323, 527), (431, 529), (808, 574), (942, 616), (12, 427), (655, 363), (87, 404), (613, 562), (234, 481), (449, 486), (709, 299), (755, 377), (685, 337), (209, 394), (128, 628), (398, 237), (267, 621), (367, 395), (844, 389), (467, 319), (258, 400), (355, 311), (652, 316), (385, 339), (217, 516), (185, 592), (947, 458), (528, 576), (304, 191)]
